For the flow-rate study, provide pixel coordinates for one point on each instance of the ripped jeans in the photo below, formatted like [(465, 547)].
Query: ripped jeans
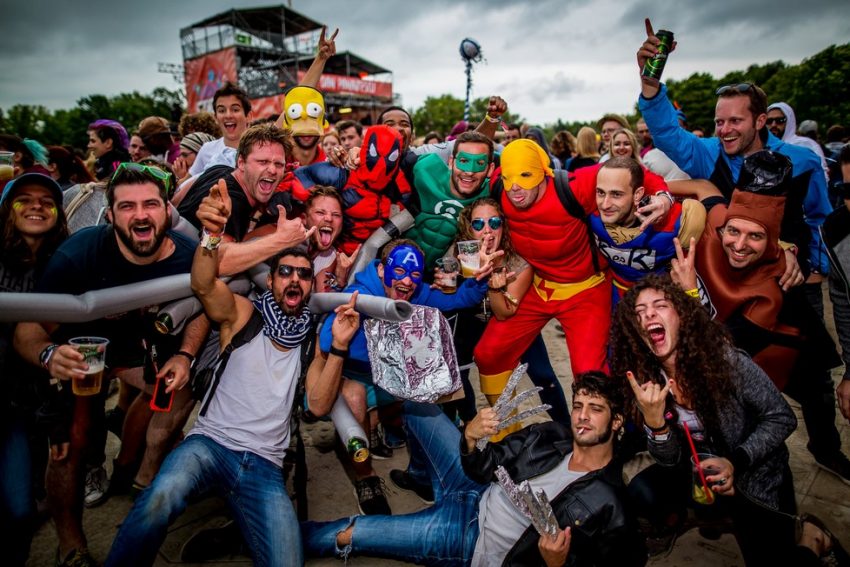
[(444, 534)]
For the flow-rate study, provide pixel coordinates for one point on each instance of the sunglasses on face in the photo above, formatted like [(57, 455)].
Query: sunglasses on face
[(777, 120), (494, 222), (740, 87), (148, 170), (286, 270)]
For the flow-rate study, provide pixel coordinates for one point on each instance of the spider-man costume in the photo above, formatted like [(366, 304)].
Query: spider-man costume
[(368, 191)]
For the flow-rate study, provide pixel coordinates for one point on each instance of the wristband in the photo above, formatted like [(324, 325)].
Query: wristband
[(46, 354), (209, 240), (656, 429), (693, 293), (338, 352), (668, 195), (492, 120), (190, 356)]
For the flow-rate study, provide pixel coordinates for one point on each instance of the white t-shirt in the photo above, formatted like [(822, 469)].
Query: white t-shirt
[(213, 153), (253, 401), (499, 521)]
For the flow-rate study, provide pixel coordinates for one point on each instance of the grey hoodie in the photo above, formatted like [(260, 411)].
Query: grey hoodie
[(790, 136)]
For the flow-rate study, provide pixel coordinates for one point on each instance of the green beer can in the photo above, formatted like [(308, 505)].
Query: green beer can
[(655, 66), (358, 450)]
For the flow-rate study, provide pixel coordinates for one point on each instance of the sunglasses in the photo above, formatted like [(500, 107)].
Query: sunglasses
[(494, 222), (286, 270), (152, 171), (777, 120), (740, 88)]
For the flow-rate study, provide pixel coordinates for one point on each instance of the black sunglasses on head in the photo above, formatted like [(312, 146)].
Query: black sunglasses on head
[(740, 87), (286, 270)]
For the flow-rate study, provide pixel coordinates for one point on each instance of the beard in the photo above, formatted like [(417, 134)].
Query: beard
[(141, 249), (600, 438), (291, 290)]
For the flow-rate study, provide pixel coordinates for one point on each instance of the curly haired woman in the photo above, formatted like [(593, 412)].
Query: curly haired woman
[(687, 380)]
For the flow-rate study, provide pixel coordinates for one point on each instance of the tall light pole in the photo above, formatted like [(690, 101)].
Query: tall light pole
[(470, 52)]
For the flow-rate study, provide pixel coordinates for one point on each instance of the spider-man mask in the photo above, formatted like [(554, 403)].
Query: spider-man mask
[(380, 156)]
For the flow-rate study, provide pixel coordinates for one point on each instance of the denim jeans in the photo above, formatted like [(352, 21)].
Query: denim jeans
[(17, 506), (444, 534), (252, 486)]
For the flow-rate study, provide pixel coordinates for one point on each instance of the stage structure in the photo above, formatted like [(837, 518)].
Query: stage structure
[(266, 51)]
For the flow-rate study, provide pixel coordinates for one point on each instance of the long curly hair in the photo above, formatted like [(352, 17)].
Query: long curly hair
[(703, 372), (464, 227)]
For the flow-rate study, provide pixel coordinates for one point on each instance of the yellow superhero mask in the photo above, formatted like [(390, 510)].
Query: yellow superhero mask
[(304, 112), (524, 163)]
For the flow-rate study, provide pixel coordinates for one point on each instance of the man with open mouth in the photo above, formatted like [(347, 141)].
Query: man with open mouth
[(136, 246), (398, 275)]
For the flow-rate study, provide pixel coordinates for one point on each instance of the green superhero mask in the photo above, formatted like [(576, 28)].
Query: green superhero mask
[(471, 163)]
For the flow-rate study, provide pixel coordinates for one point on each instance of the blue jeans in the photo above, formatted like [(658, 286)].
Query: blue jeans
[(444, 534), (17, 506), (252, 486)]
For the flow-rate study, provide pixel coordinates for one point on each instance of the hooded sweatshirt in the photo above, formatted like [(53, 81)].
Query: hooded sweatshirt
[(790, 136)]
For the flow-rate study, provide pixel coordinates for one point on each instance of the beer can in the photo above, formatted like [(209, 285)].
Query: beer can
[(655, 66), (164, 323), (358, 449)]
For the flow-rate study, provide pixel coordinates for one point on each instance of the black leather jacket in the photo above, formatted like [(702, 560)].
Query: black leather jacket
[(603, 532)]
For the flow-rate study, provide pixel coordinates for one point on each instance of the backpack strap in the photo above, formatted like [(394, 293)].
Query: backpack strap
[(243, 336), (574, 208)]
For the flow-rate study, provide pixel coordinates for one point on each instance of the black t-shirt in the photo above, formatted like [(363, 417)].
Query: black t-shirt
[(90, 260), (241, 211)]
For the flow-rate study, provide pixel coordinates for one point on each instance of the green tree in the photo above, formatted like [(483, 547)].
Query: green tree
[(442, 112)]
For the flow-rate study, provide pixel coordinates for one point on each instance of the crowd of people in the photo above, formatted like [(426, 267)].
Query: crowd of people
[(685, 271)]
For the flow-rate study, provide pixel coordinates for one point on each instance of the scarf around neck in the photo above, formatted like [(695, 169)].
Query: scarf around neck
[(286, 330)]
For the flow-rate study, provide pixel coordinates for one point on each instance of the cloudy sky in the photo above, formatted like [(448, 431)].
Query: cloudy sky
[(550, 59)]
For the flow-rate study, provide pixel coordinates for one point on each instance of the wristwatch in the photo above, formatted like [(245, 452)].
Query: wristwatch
[(46, 354)]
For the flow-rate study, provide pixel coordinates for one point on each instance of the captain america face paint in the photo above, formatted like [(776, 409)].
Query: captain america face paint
[(402, 271)]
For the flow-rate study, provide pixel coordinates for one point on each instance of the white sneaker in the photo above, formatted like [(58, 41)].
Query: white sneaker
[(97, 485)]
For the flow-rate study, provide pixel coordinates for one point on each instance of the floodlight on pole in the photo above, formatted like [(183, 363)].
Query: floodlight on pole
[(470, 52)]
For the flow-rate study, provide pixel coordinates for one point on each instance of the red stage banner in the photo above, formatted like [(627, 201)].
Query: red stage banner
[(352, 85), (207, 74)]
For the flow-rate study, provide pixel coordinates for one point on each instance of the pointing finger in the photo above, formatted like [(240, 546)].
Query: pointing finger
[(648, 25)]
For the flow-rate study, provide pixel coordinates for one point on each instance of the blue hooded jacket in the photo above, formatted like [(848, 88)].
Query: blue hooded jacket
[(469, 293), (704, 158)]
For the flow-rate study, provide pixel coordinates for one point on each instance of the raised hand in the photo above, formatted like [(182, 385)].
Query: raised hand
[(326, 47), (496, 107), (291, 232), (346, 323), (215, 208), (651, 399), (683, 268)]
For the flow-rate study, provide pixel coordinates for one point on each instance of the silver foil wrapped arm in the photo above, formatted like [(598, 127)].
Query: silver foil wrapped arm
[(533, 506), (507, 403)]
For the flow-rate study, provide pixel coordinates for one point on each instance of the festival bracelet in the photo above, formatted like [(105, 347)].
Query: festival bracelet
[(188, 355), (209, 240), (693, 293), (338, 352), (668, 195), (492, 120)]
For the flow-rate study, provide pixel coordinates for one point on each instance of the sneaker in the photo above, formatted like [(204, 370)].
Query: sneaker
[(97, 487), (377, 448), (370, 496), (403, 480), (394, 436), (76, 558), (836, 463)]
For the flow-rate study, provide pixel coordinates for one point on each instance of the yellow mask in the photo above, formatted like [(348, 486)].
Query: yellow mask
[(304, 112), (524, 163)]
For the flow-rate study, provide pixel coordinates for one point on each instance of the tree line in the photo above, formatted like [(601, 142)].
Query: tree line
[(818, 88)]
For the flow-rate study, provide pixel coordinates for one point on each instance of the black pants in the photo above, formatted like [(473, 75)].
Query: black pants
[(765, 536)]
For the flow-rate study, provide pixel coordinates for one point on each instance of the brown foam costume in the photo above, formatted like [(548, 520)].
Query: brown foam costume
[(754, 291)]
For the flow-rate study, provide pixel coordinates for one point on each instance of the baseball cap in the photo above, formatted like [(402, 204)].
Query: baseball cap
[(808, 127), (33, 179)]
